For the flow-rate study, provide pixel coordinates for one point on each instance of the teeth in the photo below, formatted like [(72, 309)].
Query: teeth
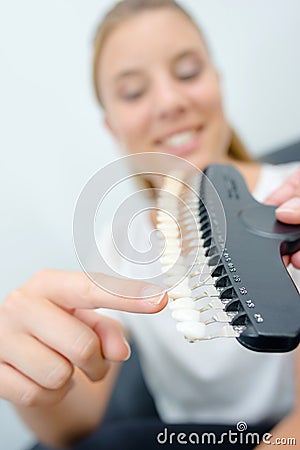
[(186, 315), (179, 291), (192, 330), (182, 303), (180, 139), (184, 242)]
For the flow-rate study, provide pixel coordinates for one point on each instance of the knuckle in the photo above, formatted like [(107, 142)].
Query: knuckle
[(40, 276), (102, 372), (59, 375), (85, 347), (90, 290), (87, 290), (112, 323), (13, 300), (42, 273), (30, 397), (118, 326)]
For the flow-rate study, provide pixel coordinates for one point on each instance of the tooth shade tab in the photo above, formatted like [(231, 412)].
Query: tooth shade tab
[(192, 330), (182, 303), (179, 291), (186, 315), (214, 304)]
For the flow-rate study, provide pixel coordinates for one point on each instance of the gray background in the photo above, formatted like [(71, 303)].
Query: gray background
[(52, 139)]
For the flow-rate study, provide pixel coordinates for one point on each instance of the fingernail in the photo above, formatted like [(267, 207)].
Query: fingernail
[(153, 294), (290, 206), (129, 350)]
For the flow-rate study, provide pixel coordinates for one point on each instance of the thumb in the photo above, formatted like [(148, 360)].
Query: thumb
[(289, 211)]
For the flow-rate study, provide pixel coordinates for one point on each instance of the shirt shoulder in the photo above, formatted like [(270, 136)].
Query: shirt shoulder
[(271, 177)]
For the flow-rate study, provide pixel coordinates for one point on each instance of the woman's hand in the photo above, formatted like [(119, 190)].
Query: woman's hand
[(47, 327), (288, 197)]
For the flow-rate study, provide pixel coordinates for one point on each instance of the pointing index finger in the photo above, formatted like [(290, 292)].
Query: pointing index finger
[(71, 290)]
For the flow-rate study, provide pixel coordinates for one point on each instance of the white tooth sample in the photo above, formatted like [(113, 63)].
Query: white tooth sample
[(193, 235), (186, 315), (174, 251), (209, 304), (201, 258), (197, 251), (203, 301), (168, 259), (171, 242), (163, 217), (172, 246), (210, 315), (164, 220), (193, 242), (221, 316), (192, 198), (200, 274), (179, 262), (162, 225), (181, 290), (170, 233), (200, 268), (206, 291), (215, 303), (170, 225), (205, 281), (190, 211), (182, 303), (192, 330), (228, 331), (191, 229)]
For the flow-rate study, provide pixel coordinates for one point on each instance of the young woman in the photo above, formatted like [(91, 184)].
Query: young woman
[(58, 359)]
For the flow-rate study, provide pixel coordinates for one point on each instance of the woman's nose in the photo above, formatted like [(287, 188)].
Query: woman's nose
[(169, 101)]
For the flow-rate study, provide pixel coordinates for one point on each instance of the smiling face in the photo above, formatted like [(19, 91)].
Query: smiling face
[(160, 90)]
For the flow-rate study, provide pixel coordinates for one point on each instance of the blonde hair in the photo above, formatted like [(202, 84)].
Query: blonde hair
[(126, 9)]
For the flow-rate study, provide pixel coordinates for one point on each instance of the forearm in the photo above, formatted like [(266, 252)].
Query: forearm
[(76, 416)]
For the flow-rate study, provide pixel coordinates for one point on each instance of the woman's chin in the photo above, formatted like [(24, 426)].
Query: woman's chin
[(200, 162)]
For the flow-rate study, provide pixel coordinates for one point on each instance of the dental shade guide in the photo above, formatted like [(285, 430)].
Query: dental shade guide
[(231, 284)]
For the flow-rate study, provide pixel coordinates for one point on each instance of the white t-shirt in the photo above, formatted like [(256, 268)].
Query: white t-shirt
[(217, 381)]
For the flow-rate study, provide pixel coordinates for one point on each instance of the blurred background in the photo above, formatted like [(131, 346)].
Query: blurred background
[(52, 139)]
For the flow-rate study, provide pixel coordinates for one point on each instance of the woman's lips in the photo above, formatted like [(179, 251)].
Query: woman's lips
[(181, 143)]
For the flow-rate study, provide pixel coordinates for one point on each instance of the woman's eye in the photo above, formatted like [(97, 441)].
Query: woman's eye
[(188, 71), (189, 74), (133, 95), (131, 92)]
